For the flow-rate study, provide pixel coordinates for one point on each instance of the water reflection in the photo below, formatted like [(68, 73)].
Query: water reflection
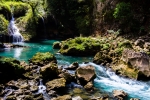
[(17, 52)]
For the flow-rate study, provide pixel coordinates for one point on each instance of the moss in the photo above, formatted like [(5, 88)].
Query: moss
[(42, 58), (126, 71), (11, 66), (80, 46)]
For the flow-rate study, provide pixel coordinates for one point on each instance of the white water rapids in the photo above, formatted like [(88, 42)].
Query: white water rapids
[(108, 81)]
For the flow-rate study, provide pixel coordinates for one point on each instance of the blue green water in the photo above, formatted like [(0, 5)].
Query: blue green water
[(24, 54), (106, 80)]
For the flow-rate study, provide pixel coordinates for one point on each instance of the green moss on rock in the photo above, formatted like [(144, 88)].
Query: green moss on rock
[(10, 67), (80, 46), (43, 58)]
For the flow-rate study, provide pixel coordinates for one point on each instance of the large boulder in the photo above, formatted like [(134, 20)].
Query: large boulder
[(135, 65), (49, 71), (10, 68), (80, 46), (85, 74), (42, 58)]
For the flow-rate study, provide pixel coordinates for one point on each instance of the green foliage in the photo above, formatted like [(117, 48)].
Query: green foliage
[(122, 10), (78, 14), (3, 24)]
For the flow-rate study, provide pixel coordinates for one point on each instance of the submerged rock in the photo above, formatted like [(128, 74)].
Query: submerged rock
[(85, 74)]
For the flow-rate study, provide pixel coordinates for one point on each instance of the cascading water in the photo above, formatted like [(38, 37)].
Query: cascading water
[(108, 81), (13, 31)]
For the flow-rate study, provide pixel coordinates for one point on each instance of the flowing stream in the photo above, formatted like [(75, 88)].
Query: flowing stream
[(106, 80)]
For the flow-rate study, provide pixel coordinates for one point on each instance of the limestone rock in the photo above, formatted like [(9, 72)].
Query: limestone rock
[(119, 94), (56, 83), (73, 66), (49, 71), (85, 74), (64, 97), (137, 60)]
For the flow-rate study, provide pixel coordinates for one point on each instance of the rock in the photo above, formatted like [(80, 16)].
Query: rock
[(119, 94), (77, 98), (102, 57), (137, 60), (56, 84), (11, 97), (49, 71), (64, 97), (89, 86), (73, 66), (67, 76), (10, 68), (80, 46), (57, 45), (85, 74), (42, 58), (134, 99), (139, 42)]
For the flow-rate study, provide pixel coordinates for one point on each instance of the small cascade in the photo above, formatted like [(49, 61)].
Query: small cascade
[(13, 31), (42, 89), (8, 91), (108, 81)]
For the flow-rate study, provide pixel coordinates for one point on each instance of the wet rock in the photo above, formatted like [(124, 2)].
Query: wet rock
[(49, 71), (102, 57), (56, 84), (137, 60), (34, 88), (89, 86), (73, 66), (11, 97), (64, 97), (57, 45), (85, 74), (42, 58), (134, 99), (77, 98), (119, 94), (67, 76)]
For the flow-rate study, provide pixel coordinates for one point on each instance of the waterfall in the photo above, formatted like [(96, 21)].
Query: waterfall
[(13, 31), (42, 89)]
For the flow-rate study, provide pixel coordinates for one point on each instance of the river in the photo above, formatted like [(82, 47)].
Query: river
[(106, 80)]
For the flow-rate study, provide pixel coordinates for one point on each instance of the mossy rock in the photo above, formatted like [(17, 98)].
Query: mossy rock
[(10, 68), (56, 84), (125, 70), (80, 46), (43, 58), (49, 71), (57, 45)]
